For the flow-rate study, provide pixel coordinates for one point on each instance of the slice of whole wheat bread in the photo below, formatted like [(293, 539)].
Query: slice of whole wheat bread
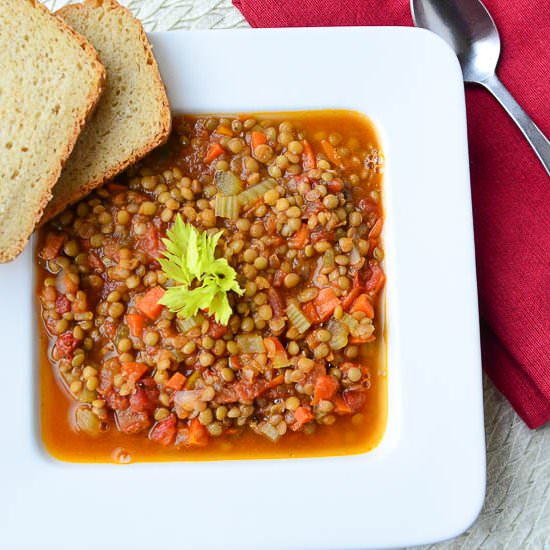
[(133, 115), (50, 79)]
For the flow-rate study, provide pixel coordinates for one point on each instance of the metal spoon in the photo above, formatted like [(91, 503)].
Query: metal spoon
[(469, 29)]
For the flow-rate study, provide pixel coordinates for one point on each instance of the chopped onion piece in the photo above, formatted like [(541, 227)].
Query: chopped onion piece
[(87, 421), (270, 431), (187, 401)]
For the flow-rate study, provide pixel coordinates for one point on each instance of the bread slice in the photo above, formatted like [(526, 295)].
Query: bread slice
[(133, 115), (50, 79)]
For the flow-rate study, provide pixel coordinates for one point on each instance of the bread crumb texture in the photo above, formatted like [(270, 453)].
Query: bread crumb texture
[(133, 114), (50, 79)]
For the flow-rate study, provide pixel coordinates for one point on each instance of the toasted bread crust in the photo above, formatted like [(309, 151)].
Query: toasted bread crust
[(59, 204), (11, 252)]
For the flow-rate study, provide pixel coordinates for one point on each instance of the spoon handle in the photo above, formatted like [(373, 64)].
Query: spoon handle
[(538, 141)]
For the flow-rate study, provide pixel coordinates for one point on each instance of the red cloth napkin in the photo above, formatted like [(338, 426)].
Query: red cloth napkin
[(510, 189)]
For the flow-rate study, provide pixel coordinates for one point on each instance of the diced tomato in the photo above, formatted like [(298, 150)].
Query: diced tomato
[(321, 234), (376, 228), (241, 391), (65, 345), (376, 279), (311, 313), (348, 300), (335, 185), (52, 247), (278, 278), (271, 225), (325, 388), (198, 434), (116, 401), (234, 362), (146, 397), (325, 303), (340, 406), (149, 242), (216, 330), (62, 304), (130, 422), (164, 432), (276, 302), (302, 415), (107, 372), (355, 398), (108, 329), (95, 262), (148, 303), (273, 346), (133, 371), (136, 324), (300, 238)]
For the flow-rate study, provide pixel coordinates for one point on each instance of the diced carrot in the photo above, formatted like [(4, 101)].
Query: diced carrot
[(310, 312), (148, 303), (135, 323), (326, 303), (224, 131), (277, 381), (302, 415), (133, 371), (362, 303), (376, 229), (348, 300), (300, 238), (176, 381), (213, 152), (340, 406), (52, 247), (330, 152), (308, 157), (325, 387), (198, 434), (257, 138), (114, 187), (335, 185)]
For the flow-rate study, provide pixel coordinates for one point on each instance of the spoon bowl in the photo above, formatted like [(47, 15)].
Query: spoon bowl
[(469, 29)]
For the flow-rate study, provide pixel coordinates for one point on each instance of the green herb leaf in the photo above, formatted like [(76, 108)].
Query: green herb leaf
[(202, 280)]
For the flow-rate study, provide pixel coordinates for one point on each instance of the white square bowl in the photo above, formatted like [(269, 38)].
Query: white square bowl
[(426, 480)]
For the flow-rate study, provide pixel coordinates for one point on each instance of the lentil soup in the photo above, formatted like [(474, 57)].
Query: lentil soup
[(299, 369)]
